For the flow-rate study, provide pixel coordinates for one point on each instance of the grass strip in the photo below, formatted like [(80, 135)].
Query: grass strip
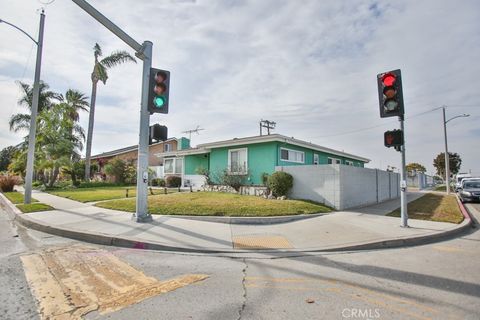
[(16, 197), (34, 207), (433, 207), (218, 204), (103, 193)]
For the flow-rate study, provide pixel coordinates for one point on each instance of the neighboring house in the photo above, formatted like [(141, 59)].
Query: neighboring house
[(252, 156), (130, 154)]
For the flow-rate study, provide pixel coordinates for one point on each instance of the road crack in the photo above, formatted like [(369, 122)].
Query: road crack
[(244, 303)]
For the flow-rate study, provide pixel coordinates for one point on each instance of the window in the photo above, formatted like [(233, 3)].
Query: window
[(292, 155), (237, 161), (173, 166), (349, 163), (167, 147), (316, 159), (334, 161)]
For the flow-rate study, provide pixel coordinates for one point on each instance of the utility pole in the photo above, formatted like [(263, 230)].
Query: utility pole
[(33, 116), (268, 125), (143, 52), (447, 155)]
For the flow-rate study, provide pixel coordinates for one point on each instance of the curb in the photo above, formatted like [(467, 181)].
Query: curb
[(250, 220), (127, 242)]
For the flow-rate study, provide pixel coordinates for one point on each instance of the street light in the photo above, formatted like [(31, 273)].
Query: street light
[(447, 158), (33, 117)]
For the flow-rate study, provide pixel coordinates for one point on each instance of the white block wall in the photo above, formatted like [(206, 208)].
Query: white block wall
[(342, 186)]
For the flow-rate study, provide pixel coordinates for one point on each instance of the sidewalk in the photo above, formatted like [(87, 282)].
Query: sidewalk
[(364, 228)]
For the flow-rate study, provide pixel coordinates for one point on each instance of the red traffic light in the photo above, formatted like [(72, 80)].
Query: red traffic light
[(388, 79), (390, 93)]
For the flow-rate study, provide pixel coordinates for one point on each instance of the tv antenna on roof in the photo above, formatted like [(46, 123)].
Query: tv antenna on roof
[(189, 132)]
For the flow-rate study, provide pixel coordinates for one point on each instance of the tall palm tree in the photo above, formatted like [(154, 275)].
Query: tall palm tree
[(21, 121), (100, 74)]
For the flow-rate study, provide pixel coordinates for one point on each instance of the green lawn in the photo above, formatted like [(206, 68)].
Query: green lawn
[(102, 193), (218, 204), (16, 197), (34, 207), (433, 207)]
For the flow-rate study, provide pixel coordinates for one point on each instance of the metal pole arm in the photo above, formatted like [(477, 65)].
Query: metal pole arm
[(10, 24), (111, 26)]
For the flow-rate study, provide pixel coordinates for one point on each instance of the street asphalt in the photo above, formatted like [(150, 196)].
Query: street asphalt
[(364, 228)]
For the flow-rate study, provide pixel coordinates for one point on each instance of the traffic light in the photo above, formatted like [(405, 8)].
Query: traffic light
[(390, 93), (158, 91), (158, 133), (394, 139)]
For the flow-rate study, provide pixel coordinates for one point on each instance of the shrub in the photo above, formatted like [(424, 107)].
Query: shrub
[(280, 183), (116, 168), (233, 180), (158, 182), (99, 184), (174, 181), (7, 182), (130, 174)]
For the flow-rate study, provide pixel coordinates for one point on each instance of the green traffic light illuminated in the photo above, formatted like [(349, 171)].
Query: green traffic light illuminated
[(159, 102)]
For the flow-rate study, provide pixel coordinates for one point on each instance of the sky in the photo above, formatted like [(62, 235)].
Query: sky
[(310, 66)]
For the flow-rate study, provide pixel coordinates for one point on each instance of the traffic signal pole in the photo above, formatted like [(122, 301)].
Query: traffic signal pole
[(143, 52), (141, 214), (390, 96), (403, 182)]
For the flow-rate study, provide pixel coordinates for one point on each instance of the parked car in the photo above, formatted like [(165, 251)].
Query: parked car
[(470, 190), (459, 178)]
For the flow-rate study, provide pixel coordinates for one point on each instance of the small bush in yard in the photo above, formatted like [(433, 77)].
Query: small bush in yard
[(174, 181), (280, 183), (7, 182)]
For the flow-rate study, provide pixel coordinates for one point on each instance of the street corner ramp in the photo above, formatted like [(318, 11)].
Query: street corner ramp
[(256, 241), (69, 282)]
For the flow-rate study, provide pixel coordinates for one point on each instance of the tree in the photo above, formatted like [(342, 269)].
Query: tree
[(411, 167), (100, 74), (59, 141), (46, 100), (454, 163), (6, 156)]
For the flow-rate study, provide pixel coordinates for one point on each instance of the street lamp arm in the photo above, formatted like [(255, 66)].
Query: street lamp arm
[(10, 24), (459, 116)]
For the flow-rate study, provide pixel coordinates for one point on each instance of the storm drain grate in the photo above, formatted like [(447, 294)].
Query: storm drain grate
[(260, 242)]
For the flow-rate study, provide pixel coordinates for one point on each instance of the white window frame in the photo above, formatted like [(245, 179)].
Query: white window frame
[(229, 164), (316, 159), (334, 160), (167, 147), (174, 165), (294, 151)]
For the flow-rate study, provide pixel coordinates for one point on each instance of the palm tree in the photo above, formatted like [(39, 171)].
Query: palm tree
[(100, 74), (21, 121), (74, 101)]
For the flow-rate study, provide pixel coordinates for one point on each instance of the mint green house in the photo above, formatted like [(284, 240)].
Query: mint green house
[(251, 156)]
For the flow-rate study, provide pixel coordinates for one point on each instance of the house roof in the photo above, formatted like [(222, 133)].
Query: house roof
[(206, 147), (125, 150)]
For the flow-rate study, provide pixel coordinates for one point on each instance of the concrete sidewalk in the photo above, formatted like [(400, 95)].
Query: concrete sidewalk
[(365, 228)]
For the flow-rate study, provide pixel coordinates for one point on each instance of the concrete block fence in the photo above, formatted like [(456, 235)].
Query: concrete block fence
[(342, 186)]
